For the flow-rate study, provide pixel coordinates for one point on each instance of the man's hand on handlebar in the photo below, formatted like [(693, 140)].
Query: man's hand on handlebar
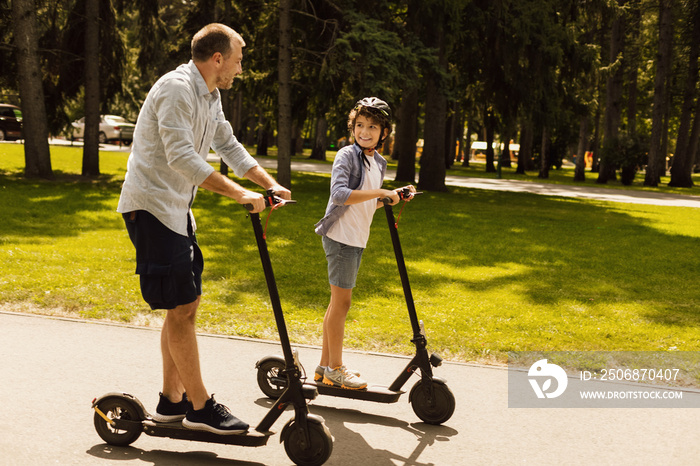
[(254, 202)]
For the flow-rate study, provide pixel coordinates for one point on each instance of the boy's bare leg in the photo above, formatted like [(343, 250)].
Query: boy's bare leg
[(334, 326), (181, 369)]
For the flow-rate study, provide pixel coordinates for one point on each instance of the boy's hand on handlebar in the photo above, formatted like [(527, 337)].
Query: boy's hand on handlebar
[(252, 199), (392, 195), (407, 192), (281, 191)]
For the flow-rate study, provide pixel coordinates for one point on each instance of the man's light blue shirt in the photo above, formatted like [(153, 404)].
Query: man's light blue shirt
[(178, 124)]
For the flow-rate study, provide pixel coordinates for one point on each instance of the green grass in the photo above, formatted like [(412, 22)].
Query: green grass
[(491, 272)]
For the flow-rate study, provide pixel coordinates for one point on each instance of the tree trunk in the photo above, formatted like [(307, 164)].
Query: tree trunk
[(504, 158), (406, 137), (263, 137), (580, 171), (467, 147), (632, 65), (694, 142), (613, 98), (544, 154), (595, 144), (490, 125), (35, 128), (525, 153), (459, 133), (91, 143), (432, 166), (318, 152), (450, 134), (682, 168), (284, 120), (657, 157)]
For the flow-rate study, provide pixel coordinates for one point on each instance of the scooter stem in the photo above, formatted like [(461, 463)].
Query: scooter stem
[(403, 273), (272, 288)]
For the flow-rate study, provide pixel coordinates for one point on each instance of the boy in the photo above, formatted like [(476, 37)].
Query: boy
[(356, 180)]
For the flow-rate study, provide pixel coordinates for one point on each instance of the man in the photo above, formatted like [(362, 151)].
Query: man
[(181, 119)]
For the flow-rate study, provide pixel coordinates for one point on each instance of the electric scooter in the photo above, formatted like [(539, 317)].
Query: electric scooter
[(120, 418), (430, 398)]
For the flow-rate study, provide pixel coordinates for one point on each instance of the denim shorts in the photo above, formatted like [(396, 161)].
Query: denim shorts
[(343, 263), (169, 265)]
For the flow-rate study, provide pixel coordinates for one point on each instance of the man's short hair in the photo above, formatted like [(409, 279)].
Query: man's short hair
[(212, 38)]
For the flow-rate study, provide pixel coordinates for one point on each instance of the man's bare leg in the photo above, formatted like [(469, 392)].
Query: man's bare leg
[(181, 369)]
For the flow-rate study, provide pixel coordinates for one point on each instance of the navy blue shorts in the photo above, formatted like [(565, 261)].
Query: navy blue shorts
[(169, 265)]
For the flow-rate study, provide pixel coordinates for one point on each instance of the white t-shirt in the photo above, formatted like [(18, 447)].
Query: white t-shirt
[(352, 228)]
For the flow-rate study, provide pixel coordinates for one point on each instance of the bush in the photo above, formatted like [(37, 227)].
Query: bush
[(628, 153)]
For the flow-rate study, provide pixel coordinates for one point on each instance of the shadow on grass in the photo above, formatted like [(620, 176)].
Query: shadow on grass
[(65, 206), (553, 249), (458, 246)]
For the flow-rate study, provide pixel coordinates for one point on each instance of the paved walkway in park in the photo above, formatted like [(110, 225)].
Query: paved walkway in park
[(546, 189), (633, 196), (52, 368)]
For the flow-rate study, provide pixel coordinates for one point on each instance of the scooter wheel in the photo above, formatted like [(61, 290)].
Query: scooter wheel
[(319, 449), (117, 409), (437, 410), (270, 380)]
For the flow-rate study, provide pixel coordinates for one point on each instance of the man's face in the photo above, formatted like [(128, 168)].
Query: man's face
[(230, 67)]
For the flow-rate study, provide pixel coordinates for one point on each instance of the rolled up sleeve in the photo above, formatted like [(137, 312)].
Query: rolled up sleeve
[(230, 149), (340, 178)]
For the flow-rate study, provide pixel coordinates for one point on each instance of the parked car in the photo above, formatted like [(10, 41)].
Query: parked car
[(10, 122), (113, 128)]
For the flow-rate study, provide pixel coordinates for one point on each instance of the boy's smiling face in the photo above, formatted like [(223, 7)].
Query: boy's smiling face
[(367, 132)]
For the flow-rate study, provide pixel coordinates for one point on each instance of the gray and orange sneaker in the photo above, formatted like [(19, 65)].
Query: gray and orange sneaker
[(343, 378), (318, 374)]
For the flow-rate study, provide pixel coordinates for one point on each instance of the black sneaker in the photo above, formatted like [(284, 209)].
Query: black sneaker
[(167, 411), (216, 418)]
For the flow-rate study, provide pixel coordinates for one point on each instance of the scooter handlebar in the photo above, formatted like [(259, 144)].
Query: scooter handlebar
[(270, 200), (404, 194)]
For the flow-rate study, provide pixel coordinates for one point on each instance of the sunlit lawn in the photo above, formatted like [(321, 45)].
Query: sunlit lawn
[(491, 272)]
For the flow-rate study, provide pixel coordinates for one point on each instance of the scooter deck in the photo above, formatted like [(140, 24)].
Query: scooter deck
[(376, 393), (177, 431)]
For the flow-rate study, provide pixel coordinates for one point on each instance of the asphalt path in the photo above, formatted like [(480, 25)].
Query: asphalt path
[(52, 368), (546, 189), (632, 196)]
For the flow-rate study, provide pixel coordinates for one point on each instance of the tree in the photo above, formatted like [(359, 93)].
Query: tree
[(36, 134), (657, 157), (445, 17), (681, 170), (284, 119), (91, 147), (407, 113), (613, 96)]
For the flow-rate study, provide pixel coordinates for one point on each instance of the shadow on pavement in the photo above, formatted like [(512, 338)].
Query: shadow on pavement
[(349, 444), (349, 447), (162, 457)]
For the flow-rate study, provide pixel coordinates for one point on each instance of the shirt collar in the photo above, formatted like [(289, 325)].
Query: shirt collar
[(200, 83)]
